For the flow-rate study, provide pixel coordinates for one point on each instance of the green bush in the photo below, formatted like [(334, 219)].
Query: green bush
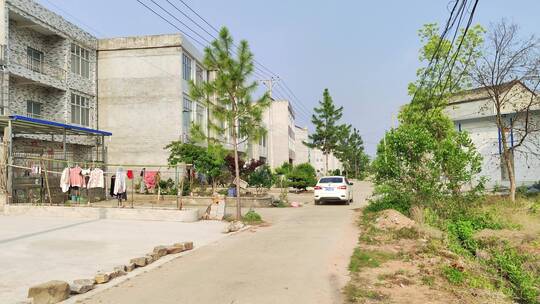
[(252, 217), (398, 203), (302, 176), (462, 232), (261, 178), (366, 258)]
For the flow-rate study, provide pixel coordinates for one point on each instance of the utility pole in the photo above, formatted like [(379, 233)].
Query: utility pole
[(269, 84)]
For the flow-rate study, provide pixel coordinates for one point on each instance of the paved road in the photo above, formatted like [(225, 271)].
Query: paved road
[(301, 258)]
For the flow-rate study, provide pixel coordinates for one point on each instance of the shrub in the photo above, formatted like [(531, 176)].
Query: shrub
[(261, 178), (302, 176), (252, 217), (461, 232), (396, 201)]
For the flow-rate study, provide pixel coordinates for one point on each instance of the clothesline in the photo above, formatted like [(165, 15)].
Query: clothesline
[(109, 165), (57, 172)]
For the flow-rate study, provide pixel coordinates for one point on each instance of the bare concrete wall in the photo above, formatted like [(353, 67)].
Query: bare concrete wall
[(140, 102)]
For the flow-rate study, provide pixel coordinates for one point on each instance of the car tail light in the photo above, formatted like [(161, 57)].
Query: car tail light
[(317, 188), (342, 187)]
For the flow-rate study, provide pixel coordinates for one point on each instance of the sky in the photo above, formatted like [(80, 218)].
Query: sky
[(364, 52)]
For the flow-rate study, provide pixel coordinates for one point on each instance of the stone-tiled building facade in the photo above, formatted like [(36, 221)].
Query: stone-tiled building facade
[(50, 66)]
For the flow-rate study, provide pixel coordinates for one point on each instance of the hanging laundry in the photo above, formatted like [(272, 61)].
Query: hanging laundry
[(36, 169), (150, 179), (120, 182), (64, 180), (130, 174), (75, 177), (96, 179)]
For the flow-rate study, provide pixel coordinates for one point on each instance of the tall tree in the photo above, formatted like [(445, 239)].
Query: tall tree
[(350, 152), (509, 72), (228, 96), (327, 131), (425, 160)]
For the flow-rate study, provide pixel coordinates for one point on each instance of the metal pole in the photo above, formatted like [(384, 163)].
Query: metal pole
[(176, 185), (10, 162)]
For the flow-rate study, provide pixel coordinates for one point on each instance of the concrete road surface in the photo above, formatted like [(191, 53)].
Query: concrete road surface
[(301, 257)]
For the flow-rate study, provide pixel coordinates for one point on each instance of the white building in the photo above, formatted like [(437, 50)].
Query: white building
[(474, 112), (315, 157)]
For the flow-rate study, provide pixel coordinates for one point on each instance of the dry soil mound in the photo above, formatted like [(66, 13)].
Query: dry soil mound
[(392, 219)]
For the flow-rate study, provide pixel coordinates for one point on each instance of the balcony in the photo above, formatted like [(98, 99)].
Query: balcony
[(37, 66)]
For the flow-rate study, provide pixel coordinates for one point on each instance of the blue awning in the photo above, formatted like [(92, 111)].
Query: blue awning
[(30, 125)]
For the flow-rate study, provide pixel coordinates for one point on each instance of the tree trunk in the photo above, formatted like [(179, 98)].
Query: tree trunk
[(326, 162), (237, 175), (511, 174)]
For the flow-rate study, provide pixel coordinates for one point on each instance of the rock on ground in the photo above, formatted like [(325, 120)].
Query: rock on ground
[(82, 286), (160, 250), (139, 262), (49, 293), (392, 219), (234, 226), (102, 277)]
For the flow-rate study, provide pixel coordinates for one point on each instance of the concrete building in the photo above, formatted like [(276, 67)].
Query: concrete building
[(279, 144), (315, 157), (50, 66), (474, 112), (144, 97), (47, 95)]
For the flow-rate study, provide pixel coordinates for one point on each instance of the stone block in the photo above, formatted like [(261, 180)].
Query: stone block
[(102, 277), (49, 293), (130, 267), (176, 248), (82, 286), (139, 262), (149, 259), (160, 250)]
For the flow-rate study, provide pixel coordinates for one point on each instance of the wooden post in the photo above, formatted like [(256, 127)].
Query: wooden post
[(45, 172)]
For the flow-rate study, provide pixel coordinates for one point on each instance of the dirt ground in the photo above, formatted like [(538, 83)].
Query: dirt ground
[(300, 256)]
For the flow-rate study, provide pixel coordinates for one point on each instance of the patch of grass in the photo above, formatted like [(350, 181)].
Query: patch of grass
[(355, 294), (428, 280), (406, 233), (368, 259), (510, 265), (252, 217), (453, 275)]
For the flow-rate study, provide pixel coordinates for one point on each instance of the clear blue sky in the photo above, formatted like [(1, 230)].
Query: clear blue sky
[(365, 52)]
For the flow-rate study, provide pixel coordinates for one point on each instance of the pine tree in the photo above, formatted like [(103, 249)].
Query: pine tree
[(327, 131), (228, 96), (350, 152)]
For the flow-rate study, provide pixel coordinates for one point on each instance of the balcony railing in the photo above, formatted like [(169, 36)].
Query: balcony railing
[(37, 66)]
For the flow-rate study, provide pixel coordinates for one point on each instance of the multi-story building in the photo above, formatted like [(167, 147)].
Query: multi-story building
[(144, 97), (278, 145), (47, 89)]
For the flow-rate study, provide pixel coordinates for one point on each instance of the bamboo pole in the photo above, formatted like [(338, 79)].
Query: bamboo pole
[(46, 173)]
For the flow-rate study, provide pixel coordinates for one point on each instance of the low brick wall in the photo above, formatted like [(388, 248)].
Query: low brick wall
[(247, 202), (143, 214)]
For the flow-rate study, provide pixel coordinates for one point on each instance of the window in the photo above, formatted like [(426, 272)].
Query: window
[(33, 109), (186, 116), (199, 74), (80, 110), (186, 65), (262, 141), (80, 61), (331, 180), (34, 60)]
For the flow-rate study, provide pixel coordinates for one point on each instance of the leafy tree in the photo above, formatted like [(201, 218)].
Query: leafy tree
[(426, 160), (260, 178), (327, 131), (228, 96), (350, 152), (284, 169), (208, 161), (302, 176)]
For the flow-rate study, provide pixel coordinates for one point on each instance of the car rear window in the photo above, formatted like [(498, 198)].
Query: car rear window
[(333, 180)]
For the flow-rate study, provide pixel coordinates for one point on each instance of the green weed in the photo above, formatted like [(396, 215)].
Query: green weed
[(252, 217), (368, 259)]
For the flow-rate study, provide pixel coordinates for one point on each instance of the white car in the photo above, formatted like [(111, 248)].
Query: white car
[(333, 189)]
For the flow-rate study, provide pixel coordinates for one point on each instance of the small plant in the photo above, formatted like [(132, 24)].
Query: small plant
[(453, 275), (355, 294), (428, 280), (370, 259), (406, 233), (252, 217)]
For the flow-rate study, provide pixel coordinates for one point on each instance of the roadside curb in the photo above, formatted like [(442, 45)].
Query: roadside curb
[(138, 271)]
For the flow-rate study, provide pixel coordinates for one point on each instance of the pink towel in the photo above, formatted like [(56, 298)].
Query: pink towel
[(150, 179)]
